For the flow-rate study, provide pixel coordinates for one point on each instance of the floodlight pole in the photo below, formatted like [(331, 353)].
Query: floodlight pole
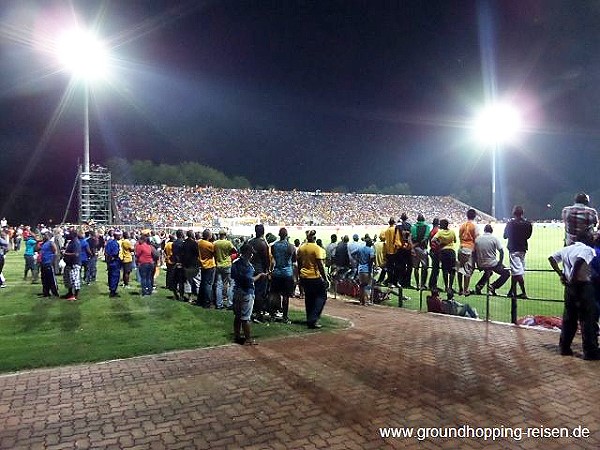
[(85, 173), (494, 151)]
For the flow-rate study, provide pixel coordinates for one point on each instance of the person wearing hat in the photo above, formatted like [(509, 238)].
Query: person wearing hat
[(243, 273), (113, 263), (224, 248), (313, 278), (283, 257)]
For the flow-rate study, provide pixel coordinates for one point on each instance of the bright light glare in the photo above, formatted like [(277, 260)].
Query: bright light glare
[(83, 54), (497, 124)]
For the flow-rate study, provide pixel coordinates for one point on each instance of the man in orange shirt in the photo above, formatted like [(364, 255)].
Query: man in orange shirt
[(206, 251), (467, 233)]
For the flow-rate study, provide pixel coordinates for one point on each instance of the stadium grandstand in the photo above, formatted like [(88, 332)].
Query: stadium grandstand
[(162, 206)]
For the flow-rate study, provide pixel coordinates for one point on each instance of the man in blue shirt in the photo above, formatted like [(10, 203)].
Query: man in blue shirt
[(111, 254), (365, 255)]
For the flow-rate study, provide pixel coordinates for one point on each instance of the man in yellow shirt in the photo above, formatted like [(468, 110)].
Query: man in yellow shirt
[(126, 257), (206, 250), (392, 243), (223, 250), (312, 278)]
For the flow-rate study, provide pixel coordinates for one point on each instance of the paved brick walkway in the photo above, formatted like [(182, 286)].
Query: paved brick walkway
[(394, 368)]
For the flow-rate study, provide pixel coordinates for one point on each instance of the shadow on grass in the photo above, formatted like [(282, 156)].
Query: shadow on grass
[(70, 316), (122, 312), (35, 319)]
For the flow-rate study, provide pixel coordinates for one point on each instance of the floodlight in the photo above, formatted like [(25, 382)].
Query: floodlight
[(83, 54), (497, 124)]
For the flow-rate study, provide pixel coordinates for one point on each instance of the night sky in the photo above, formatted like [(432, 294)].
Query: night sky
[(307, 94)]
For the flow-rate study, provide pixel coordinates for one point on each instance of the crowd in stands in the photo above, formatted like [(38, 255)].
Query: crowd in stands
[(166, 206)]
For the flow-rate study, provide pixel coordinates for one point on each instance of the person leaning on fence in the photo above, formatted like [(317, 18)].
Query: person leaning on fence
[(579, 296), (518, 230), (487, 248)]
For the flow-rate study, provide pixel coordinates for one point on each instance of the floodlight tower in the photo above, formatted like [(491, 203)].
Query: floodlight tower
[(494, 126), (86, 57)]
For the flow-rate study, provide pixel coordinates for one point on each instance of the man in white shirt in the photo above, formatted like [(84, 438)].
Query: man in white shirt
[(579, 296)]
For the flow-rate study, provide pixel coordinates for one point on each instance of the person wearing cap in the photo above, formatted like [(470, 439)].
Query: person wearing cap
[(313, 278), (245, 276), (283, 257), (224, 248), (578, 217), (113, 263)]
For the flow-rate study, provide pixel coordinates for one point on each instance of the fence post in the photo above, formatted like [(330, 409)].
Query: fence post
[(400, 296), (513, 308)]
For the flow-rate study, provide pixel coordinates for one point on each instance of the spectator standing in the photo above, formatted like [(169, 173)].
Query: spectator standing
[(113, 263), (244, 275), (365, 256), (518, 230), (94, 247), (392, 243), (224, 248), (283, 257), (434, 253), (404, 252), (261, 261), (579, 296), (190, 261), (446, 240), (72, 270), (578, 218), (490, 255), (29, 255), (3, 251), (420, 261), (145, 264), (126, 250), (313, 278), (178, 271), (47, 251), (467, 234), (206, 251)]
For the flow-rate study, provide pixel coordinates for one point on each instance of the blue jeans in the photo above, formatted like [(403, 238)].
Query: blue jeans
[(146, 272), (224, 285), (206, 286)]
